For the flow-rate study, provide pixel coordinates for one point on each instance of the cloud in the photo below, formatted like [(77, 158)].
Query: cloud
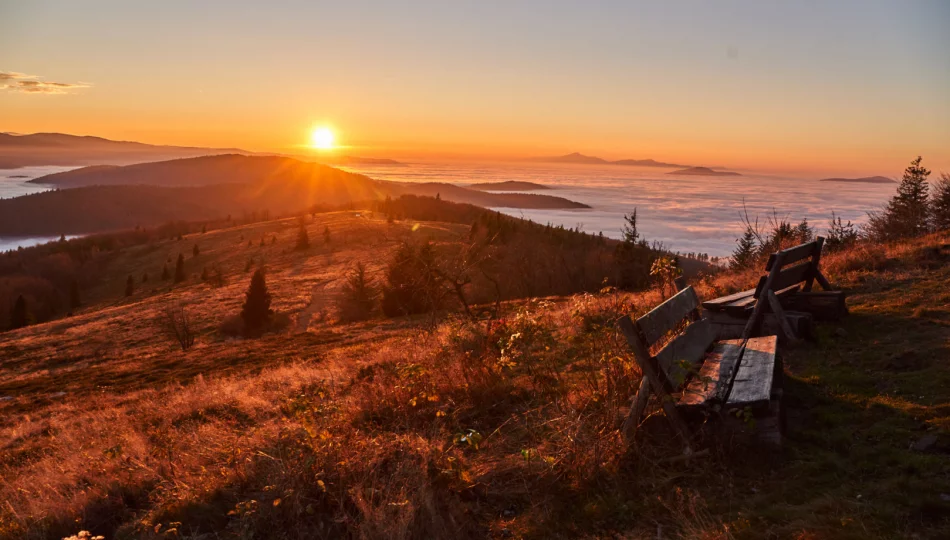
[(29, 84)]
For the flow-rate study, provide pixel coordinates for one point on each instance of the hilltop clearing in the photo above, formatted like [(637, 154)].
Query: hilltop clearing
[(439, 426)]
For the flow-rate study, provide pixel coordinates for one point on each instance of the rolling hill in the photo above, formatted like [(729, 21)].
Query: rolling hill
[(104, 198)]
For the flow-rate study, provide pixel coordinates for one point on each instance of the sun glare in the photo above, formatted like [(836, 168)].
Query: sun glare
[(321, 138)]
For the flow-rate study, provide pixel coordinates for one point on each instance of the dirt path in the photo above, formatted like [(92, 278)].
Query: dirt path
[(320, 299)]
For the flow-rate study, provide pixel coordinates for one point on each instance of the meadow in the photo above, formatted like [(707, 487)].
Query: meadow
[(504, 424)]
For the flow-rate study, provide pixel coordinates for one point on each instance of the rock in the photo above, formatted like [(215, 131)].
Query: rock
[(841, 332), (925, 443)]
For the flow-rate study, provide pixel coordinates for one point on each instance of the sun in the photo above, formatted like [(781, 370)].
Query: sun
[(321, 138)]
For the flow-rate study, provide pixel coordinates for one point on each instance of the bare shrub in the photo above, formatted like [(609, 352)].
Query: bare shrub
[(176, 324)]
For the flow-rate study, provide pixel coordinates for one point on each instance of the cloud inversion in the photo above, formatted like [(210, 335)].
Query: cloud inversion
[(29, 84)]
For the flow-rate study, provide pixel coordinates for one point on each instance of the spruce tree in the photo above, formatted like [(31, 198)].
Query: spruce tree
[(19, 316), (180, 269), (630, 233), (129, 286), (745, 253), (165, 275), (326, 234), (195, 251), (907, 212), (303, 239), (940, 203), (256, 311)]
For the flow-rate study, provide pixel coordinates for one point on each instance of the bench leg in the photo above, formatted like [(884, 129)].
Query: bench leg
[(639, 405)]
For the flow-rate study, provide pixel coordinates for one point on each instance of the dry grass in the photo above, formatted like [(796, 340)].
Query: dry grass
[(444, 427)]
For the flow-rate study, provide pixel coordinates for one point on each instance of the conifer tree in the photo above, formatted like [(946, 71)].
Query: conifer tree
[(129, 286), (165, 275), (326, 234), (940, 203), (256, 311), (195, 251), (303, 239), (907, 211), (745, 253), (180, 269)]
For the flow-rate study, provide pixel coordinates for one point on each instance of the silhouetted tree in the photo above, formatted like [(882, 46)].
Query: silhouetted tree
[(907, 213), (358, 294), (940, 203), (195, 251), (256, 312), (19, 315), (804, 232), (631, 234), (326, 234), (412, 284), (303, 239), (165, 275), (840, 234), (746, 252), (204, 229), (204, 274), (74, 301), (129, 286), (180, 269)]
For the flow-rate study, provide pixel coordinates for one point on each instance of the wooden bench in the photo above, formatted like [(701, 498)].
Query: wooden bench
[(790, 304), (694, 373)]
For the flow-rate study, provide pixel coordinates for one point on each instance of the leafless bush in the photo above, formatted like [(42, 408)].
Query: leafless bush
[(176, 324)]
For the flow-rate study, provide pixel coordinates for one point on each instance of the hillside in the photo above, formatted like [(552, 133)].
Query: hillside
[(106, 198), (441, 427), (62, 149)]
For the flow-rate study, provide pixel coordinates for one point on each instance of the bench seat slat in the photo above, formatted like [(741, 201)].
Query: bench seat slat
[(705, 385), (753, 382), (723, 300), (667, 315)]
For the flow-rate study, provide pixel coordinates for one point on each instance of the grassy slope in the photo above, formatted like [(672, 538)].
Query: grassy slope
[(329, 429)]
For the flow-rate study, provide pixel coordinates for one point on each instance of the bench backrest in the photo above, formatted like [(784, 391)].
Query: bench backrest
[(792, 267), (679, 357)]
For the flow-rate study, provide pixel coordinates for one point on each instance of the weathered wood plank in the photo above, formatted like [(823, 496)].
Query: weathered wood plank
[(729, 327), (823, 305), (815, 260), (793, 254), (822, 280), (785, 328), (753, 382), (705, 386), (744, 306), (728, 299), (681, 354), (657, 380), (638, 406), (667, 315), (787, 277)]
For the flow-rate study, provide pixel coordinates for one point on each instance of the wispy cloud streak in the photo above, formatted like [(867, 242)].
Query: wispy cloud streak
[(13, 81)]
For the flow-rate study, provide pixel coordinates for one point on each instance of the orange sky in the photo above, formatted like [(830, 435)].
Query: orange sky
[(850, 88)]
